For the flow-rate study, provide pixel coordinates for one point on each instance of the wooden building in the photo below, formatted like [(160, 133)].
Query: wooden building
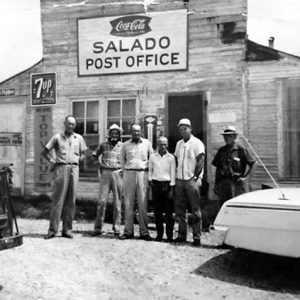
[(152, 62)]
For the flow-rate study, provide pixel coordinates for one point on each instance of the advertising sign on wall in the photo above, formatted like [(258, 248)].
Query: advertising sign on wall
[(150, 126), (43, 89), (133, 43), (43, 133), (10, 138)]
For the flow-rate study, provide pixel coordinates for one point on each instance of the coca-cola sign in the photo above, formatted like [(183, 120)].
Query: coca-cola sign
[(130, 26)]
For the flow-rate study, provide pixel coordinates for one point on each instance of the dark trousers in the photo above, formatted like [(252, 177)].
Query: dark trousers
[(187, 193), (162, 203), (227, 188)]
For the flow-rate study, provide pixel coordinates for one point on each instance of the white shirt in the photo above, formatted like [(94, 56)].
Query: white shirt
[(186, 153), (135, 155), (162, 168)]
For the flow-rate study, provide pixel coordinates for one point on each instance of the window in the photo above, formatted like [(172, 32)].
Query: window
[(291, 130), (87, 124), (121, 112), (90, 124)]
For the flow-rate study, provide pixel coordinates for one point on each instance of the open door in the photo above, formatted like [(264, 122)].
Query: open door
[(193, 107), (188, 106)]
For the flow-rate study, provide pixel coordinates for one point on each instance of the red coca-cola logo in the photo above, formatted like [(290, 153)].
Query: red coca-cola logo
[(130, 26)]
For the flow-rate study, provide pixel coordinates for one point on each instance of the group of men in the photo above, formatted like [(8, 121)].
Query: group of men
[(129, 168)]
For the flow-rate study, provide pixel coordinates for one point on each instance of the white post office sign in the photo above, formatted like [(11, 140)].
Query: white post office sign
[(133, 43)]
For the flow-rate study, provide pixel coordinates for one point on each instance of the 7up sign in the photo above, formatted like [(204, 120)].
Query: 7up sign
[(43, 89)]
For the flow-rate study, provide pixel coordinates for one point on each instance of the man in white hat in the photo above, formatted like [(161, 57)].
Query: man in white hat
[(234, 163), (108, 157), (190, 153)]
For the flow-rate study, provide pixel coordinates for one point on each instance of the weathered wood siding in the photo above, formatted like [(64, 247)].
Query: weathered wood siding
[(214, 67), (264, 113), (21, 84)]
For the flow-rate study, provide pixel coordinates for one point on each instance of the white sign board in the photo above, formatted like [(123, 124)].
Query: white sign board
[(133, 43)]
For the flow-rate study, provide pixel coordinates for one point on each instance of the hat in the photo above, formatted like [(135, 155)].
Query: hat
[(229, 130), (115, 127), (184, 122)]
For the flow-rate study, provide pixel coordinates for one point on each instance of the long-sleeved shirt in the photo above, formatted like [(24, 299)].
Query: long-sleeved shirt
[(135, 156), (162, 168)]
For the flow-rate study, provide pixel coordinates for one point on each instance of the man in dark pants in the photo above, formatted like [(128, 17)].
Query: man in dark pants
[(190, 154), (162, 167), (234, 164), (69, 148)]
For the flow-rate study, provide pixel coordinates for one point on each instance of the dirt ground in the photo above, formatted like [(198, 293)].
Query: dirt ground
[(108, 268)]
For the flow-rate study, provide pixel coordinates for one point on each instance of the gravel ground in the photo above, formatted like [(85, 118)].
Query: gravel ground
[(108, 268)]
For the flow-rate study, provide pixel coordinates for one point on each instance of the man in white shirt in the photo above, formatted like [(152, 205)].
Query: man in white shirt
[(190, 155), (162, 168), (135, 155)]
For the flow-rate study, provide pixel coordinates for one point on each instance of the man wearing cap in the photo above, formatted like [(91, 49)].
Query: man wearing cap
[(135, 154), (69, 148), (190, 153), (108, 156), (234, 163)]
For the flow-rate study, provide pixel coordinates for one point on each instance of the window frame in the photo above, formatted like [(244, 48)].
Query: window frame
[(102, 119), (121, 99)]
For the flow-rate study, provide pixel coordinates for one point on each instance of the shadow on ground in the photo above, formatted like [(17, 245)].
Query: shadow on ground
[(255, 270)]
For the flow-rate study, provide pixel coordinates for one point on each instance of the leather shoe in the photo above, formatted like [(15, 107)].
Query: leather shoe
[(126, 237), (67, 235), (158, 239), (179, 240), (169, 240), (146, 237), (197, 243), (49, 235), (96, 233)]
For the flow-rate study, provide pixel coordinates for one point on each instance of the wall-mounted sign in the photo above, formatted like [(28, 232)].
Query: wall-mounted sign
[(10, 138), (133, 43), (222, 117), (43, 133), (7, 92), (150, 126), (43, 89)]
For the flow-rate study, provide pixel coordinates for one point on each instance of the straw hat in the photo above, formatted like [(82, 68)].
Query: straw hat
[(229, 130)]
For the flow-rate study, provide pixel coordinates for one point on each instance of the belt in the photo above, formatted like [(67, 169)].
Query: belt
[(65, 164), (138, 170), (160, 182)]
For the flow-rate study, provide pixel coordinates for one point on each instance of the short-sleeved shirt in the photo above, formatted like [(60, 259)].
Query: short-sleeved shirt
[(135, 156), (187, 153), (162, 168), (110, 155), (67, 149), (231, 161)]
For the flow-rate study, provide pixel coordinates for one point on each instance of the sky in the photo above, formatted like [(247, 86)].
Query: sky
[(21, 38)]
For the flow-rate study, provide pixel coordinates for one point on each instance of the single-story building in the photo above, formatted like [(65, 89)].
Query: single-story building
[(152, 62)]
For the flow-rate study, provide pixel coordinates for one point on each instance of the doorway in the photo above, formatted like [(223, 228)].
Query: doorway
[(12, 143), (191, 106)]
